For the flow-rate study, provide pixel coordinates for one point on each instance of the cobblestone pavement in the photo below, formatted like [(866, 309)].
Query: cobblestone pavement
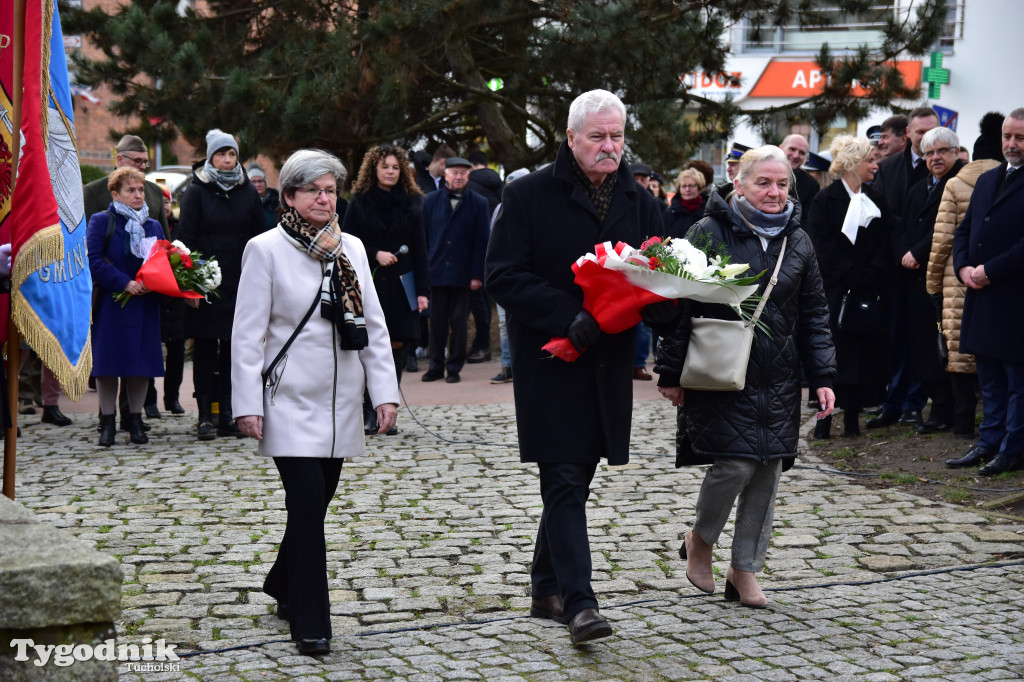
[(429, 545)]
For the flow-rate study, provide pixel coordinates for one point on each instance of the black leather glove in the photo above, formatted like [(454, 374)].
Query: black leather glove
[(660, 313), (583, 331)]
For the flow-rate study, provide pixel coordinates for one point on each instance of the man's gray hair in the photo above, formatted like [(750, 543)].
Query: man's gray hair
[(753, 158), (305, 166), (593, 102), (939, 136), (1017, 114)]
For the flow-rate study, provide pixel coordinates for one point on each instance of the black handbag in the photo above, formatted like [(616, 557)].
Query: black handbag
[(862, 314)]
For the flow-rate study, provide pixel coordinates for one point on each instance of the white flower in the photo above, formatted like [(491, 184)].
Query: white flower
[(733, 270), (692, 259), (181, 247)]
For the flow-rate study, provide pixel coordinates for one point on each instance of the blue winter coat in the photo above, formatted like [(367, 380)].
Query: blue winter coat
[(125, 341), (456, 240)]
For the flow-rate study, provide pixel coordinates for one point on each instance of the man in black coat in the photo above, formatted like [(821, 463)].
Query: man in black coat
[(569, 415), (797, 148), (487, 183), (988, 255), (896, 175), (455, 222)]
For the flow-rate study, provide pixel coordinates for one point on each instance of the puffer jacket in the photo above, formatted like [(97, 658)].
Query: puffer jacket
[(762, 421), (941, 277)]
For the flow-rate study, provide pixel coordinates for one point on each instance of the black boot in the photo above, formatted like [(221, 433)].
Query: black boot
[(204, 428), (108, 430), (135, 430), (823, 429), (226, 426), (851, 424), (370, 425), (53, 415), (173, 406)]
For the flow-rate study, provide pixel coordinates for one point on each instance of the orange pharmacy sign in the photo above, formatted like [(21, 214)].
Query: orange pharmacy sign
[(805, 79)]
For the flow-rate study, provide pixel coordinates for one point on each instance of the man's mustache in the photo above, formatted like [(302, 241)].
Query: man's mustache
[(606, 155)]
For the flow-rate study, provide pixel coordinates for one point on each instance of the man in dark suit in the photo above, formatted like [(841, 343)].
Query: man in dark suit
[(896, 174), (486, 182), (796, 148), (569, 415), (988, 255), (130, 151), (455, 220)]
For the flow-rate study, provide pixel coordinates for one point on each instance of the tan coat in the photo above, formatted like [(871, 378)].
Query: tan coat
[(940, 275), (316, 408)]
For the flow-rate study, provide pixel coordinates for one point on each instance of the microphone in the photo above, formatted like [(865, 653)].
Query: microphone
[(402, 249)]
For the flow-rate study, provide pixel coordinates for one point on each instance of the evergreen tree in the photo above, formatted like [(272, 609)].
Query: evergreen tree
[(345, 74)]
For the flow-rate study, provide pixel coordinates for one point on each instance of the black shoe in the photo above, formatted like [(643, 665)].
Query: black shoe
[(107, 430), (229, 428), (370, 425), (912, 417), (588, 624), (152, 412), (137, 433), (882, 420), (410, 364), (503, 377), (1001, 464), (206, 431), (431, 375), (392, 432), (53, 415), (478, 355), (873, 411), (452, 378), (933, 426), (975, 456), (173, 406), (549, 608), (314, 647)]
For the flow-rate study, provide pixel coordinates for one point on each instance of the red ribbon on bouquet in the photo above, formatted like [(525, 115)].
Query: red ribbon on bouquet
[(608, 295), (157, 275)]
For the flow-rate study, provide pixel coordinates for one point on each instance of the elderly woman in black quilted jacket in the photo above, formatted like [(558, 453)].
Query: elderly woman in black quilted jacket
[(749, 437)]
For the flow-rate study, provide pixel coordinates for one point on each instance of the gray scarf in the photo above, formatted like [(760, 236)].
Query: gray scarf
[(767, 225), (133, 226), (226, 180)]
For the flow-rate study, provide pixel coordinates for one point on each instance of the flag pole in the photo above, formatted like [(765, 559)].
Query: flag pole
[(13, 340)]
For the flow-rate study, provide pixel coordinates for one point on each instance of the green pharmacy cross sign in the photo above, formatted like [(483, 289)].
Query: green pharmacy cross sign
[(935, 75)]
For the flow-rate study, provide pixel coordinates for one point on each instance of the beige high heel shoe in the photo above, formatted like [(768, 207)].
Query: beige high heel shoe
[(700, 557), (748, 593)]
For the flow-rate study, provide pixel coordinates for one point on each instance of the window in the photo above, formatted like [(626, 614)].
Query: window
[(827, 24)]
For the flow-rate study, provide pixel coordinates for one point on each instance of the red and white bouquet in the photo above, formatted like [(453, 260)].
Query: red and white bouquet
[(171, 269), (618, 281)]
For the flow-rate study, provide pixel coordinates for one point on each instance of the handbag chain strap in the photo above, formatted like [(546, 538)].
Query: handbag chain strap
[(771, 283)]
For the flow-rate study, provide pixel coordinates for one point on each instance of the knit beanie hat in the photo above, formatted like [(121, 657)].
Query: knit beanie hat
[(255, 171), (217, 140), (989, 144)]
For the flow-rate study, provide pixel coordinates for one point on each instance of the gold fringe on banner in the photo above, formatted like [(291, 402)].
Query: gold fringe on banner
[(44, 90), (44, 248)]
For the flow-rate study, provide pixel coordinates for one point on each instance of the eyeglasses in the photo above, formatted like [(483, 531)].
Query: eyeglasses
[(688, 187), (141, 162), (941, 150), (315, 192)]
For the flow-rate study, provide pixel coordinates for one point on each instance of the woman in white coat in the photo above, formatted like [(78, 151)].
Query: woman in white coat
[(308, 279)]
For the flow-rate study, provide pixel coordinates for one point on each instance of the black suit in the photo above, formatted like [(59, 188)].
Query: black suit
[(992, 234), (895, 176), (569, 415), (806, 187)]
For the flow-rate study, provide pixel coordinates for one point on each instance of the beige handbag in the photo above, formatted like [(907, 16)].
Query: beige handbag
[(719, 350)]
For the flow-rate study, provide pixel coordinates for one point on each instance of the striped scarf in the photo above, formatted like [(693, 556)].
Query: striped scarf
[(340, 299)]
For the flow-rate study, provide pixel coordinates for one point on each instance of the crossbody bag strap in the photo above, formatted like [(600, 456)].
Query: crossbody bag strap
[(284, 349), (771, 283)]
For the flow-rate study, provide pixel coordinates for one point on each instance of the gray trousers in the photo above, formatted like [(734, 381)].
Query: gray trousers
[(755, 484)]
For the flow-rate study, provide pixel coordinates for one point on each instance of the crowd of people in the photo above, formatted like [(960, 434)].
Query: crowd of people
[(892, 287)]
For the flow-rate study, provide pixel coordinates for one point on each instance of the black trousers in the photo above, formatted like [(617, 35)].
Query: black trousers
[(298, 577), (480, 306), (209, 358), (965, 402), (561, 556), (449, 307), (174, 372)]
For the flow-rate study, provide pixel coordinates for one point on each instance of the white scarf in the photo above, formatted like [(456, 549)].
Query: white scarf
[(860, 213)]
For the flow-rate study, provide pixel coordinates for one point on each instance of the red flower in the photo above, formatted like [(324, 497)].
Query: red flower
[(650, 242), (654, 263), (186, 260)]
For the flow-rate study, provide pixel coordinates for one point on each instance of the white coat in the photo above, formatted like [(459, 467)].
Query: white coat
[(312, 411)]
